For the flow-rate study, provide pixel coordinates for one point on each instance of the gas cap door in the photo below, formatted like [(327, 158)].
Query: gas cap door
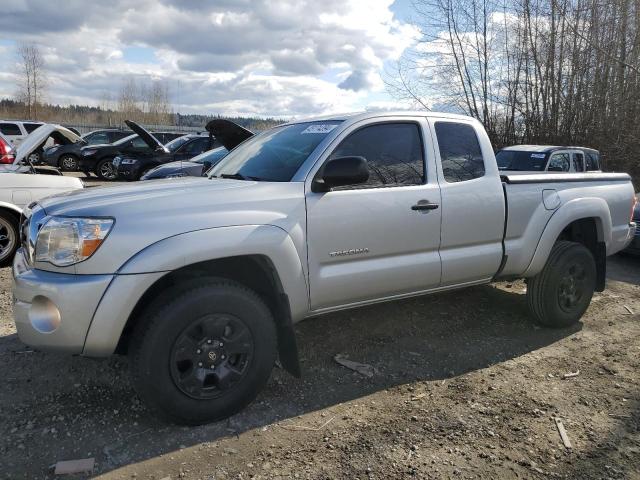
[(550, 199)]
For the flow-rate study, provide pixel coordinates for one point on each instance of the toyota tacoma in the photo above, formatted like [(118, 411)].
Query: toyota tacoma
[(200, 280)]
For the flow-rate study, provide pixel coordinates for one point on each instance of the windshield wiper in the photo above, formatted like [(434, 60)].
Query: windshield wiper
[(237, 176)]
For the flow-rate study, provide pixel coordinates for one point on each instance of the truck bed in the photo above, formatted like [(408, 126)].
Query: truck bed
[(534, 199)]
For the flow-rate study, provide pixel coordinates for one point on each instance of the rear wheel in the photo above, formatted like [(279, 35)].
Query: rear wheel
[(8, 238), (105, 169), (68, 163), (205, 354), (560, 294)]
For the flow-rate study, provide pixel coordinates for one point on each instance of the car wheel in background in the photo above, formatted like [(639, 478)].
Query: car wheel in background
[(105, 169), (218, 341), (68, 163), (35, 158), (560, 294), (8, 237)]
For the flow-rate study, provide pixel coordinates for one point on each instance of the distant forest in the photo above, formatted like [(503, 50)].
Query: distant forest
[(98, 116)]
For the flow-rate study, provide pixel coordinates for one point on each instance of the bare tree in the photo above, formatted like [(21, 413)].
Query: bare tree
[(31, 78), (533, 71), (158, 105)]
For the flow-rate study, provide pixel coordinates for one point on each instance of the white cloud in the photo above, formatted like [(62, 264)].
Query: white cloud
[(262, 57)]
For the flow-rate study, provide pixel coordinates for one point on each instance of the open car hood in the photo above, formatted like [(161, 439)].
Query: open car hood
[(149, 139), (228, 133), (39, 136)]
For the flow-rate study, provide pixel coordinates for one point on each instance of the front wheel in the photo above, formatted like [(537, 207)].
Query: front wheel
[(105, 169), (8, 238), (205, 354), (560, 294), (68, 163)]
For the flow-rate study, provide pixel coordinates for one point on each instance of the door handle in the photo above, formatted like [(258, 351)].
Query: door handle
[(425, 205)]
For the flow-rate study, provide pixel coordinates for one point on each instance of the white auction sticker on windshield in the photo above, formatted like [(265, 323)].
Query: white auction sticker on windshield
[(320, 128), (538, 155)]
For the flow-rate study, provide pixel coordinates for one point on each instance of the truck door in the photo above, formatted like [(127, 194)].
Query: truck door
[(373, 240), (473, 205)]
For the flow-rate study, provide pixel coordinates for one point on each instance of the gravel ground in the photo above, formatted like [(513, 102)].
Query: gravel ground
[(465, 386)]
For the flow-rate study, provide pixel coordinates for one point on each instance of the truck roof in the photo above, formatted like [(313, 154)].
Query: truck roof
[(356, 116), (544, 148)]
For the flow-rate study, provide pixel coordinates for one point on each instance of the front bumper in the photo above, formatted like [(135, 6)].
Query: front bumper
[(128, 171), (72, 301), (87, 163), (84, 314)]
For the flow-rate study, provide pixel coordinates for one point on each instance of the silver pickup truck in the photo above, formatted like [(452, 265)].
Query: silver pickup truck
[(199, 280)]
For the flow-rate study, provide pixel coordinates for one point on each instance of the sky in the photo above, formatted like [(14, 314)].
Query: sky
[(287, 58)]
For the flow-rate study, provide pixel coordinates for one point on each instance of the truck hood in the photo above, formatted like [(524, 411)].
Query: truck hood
[(148, 212)]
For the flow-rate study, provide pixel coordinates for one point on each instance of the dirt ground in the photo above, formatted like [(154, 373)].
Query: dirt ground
[(465, 387)]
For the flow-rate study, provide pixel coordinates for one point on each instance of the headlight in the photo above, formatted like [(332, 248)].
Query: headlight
[(129, 161), (64, 241), (86, 153)]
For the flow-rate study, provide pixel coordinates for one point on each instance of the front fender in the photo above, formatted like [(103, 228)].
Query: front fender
[(202, 245), (571, 211), (146, 267)]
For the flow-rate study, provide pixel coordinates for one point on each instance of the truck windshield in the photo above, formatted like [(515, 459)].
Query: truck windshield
[(274, 155), (521, 161)]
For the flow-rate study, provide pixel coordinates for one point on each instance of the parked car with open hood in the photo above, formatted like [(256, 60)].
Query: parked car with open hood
[(200, 280), (67, 157), (133, 166), (544, 158), (226, 132), (22, 183), (99, 158)]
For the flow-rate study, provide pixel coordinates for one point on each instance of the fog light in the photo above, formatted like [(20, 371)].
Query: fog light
[(44, 315)]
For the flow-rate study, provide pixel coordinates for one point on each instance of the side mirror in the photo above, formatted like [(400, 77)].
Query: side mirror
[(339, 172)]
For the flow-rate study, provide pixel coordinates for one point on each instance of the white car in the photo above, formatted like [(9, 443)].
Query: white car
[(16, 130), (21, 184)]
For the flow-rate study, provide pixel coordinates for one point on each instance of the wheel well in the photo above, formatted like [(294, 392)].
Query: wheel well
[(588, 232), (253, 271), (12, 213)]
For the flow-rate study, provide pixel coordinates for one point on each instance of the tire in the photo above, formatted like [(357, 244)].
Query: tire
[(35, 158), (9, 238), (105, 170), (68, 163), (173, 348), (560, 294)]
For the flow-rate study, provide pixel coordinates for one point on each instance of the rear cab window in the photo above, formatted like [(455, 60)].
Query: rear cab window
[(592, 161), (460, 153)]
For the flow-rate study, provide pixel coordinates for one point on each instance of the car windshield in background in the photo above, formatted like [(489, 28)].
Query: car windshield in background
[(175, 144), (275, 155), (521, 161), (211, 156)]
